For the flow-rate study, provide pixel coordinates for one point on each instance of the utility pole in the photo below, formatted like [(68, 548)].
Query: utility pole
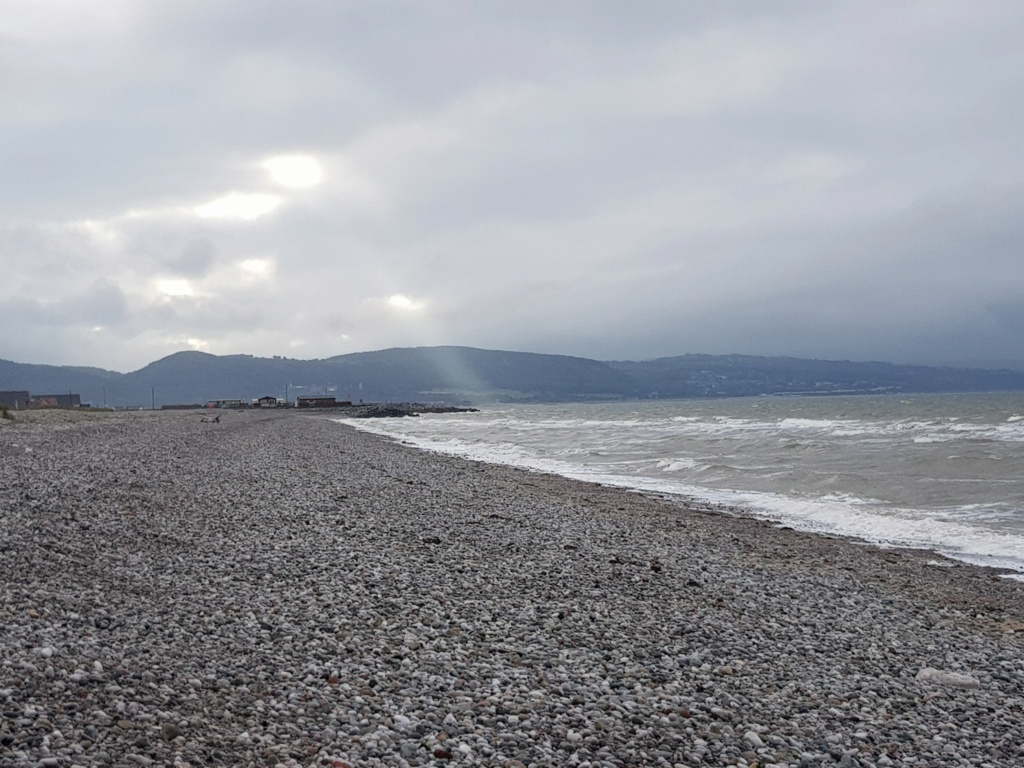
[(152, 392)]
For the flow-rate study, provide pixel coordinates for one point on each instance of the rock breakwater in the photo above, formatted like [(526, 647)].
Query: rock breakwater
[(385, 410), (279, 589)]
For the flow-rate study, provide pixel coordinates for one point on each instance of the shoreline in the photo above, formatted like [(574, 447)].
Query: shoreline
[(274, 590), (943, 558)]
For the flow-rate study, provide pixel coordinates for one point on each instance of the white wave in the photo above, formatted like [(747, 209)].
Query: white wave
[(676, 465), (824, 425), (946, 429)]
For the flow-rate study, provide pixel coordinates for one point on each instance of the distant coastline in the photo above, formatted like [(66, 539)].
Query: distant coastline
[(464, 376)]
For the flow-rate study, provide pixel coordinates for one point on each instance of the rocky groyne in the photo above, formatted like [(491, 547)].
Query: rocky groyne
[(279, 589), (385, 410)]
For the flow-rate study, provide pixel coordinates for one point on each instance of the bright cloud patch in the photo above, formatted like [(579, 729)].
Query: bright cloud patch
[(257, 268), (101, 233), (237, 205), (297, 171), (402, 302), (174, 287)]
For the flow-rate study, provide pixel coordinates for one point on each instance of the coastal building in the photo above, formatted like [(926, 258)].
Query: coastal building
[(268, 401), (17, 399), (226, 403), (21, 399), (67, 400)]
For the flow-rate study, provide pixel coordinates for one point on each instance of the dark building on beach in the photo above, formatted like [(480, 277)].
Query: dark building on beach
[(17, 399), (232, 402), (22, 399), (58, 401)]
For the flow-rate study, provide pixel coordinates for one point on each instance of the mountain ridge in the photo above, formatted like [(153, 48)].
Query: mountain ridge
[(460, 374)]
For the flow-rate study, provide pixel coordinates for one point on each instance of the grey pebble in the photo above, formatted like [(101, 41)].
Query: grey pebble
[(287, 591)]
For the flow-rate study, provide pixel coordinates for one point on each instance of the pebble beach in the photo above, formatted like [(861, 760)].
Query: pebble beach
[(278, 589)]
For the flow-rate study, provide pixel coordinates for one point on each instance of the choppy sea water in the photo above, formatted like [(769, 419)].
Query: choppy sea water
[(939, 472)]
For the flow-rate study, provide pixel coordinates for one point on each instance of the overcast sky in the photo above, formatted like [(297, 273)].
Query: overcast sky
[(618, 180)]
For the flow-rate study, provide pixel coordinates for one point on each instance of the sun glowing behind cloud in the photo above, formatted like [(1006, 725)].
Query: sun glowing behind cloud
[(238, 205), (402, 302), (196, 344), (296, 171), (174, 287)]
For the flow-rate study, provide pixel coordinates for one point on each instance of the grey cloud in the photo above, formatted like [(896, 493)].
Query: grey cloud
[(836, 180), (1009, 316), (194, 259), (103, 303)]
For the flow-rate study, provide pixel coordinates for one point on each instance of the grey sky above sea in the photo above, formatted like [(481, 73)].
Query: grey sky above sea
[(612, 180)]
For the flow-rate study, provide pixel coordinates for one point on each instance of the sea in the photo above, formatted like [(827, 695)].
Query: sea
[(937, 472)]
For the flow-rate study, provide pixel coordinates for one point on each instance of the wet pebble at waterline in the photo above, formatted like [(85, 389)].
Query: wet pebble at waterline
[(280, 590)]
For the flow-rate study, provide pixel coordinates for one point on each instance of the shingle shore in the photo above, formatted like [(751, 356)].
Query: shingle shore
[(278, 589)]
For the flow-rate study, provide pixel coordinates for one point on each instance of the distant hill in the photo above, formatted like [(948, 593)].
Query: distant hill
[(52, 379), (465, 374)]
